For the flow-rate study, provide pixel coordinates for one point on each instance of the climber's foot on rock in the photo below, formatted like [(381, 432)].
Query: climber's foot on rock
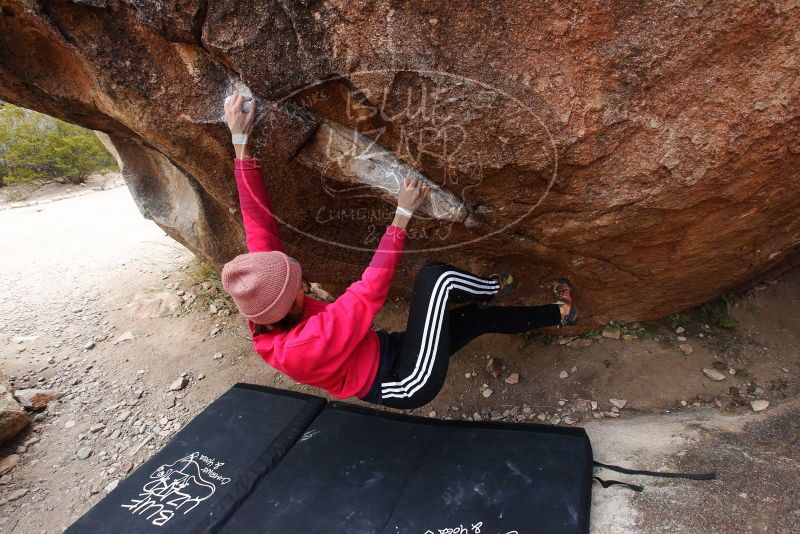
[(507, 285)]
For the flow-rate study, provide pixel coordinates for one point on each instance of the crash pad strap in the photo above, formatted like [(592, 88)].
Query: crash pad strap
[(691, 476), (609, 483)]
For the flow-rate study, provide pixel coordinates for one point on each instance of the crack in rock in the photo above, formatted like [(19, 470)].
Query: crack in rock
[(360, 167)]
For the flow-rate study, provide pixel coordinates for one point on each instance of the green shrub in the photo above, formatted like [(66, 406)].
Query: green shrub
[(718, 312), (34, 146), (679, 319)]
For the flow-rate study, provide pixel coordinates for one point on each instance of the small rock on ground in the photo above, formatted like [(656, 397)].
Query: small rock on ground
[(713, 374), (618, 403), (759, 405), (178, 384), (18, 494), (36, 399), (494, 367), (580, 343), (8, 463), (612, 334), (13, 417), (127, 336), (512, 379)]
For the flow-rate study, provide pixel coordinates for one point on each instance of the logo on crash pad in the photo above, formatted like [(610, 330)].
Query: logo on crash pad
[(177, 488)]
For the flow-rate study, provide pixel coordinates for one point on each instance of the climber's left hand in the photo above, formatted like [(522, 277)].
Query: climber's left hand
[(240, 122)]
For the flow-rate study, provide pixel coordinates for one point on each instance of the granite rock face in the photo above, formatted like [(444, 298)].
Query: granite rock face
[(649, 151)]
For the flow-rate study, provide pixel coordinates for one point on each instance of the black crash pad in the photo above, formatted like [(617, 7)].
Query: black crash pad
[(264, 460)]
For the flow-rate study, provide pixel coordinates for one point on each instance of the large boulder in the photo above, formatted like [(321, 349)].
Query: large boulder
[(648, 150), (13, 417)]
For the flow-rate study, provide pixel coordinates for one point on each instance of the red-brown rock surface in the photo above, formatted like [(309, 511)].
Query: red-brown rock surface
[(650, 151)]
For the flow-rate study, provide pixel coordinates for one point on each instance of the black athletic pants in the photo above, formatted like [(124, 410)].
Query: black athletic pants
[(420, 355)]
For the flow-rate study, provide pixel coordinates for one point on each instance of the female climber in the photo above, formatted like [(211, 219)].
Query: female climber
[(331, 345)]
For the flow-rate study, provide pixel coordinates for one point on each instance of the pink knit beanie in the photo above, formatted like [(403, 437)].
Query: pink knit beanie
[(263, 284)]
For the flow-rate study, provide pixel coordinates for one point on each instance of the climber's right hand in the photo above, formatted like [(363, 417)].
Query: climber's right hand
[(412, 194), (238, 121)]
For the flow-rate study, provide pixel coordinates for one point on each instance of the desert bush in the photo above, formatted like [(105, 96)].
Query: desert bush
[(34, 146)]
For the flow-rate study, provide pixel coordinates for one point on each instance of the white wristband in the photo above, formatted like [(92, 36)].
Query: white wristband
[(404, 212), (239, 139)]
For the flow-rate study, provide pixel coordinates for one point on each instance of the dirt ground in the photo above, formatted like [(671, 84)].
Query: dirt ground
[(100, 305)]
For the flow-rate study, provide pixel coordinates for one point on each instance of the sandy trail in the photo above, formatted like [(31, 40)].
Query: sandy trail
[(57, 256)]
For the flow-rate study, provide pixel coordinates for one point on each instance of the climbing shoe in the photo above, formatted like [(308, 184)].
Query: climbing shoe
[(507, 285), (563, 293)]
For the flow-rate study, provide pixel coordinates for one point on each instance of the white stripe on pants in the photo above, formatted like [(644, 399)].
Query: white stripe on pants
[(429, 344)]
